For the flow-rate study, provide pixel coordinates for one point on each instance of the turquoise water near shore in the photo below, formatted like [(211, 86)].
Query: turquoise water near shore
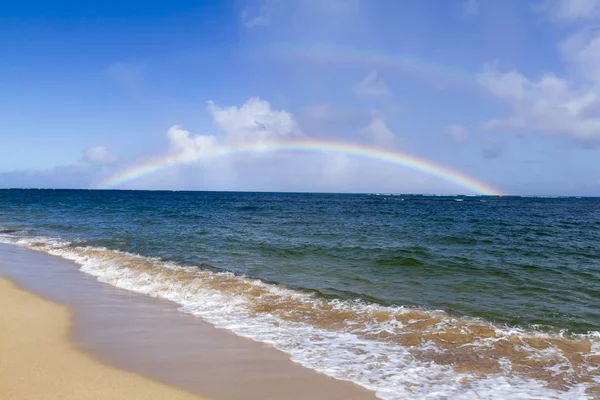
[(407, 295)]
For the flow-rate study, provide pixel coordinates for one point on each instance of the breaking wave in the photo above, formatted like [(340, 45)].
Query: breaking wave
[(398, 352)]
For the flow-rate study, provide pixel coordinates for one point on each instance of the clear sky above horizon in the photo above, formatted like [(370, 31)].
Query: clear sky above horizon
[(505, 91)]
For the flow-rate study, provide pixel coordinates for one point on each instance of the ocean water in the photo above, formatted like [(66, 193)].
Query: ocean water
[(411, 296)]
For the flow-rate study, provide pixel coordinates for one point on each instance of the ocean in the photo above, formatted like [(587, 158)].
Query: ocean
[(412, 296)]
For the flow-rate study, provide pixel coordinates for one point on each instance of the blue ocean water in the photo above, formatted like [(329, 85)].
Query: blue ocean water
[(475, 285)]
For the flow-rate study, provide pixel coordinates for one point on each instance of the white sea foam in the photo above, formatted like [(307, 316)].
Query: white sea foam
[(387, 368)]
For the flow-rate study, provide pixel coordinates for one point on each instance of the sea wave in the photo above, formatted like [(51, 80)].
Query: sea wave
[(398, 352)]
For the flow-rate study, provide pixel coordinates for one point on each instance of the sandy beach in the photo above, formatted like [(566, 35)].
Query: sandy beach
[(89, 333), (37, 360)]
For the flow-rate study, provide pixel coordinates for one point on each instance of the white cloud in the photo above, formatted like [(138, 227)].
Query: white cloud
[(256, 121), (506, 85), (458, 133), (549, 105), (582, 51), (190, 147), (371, 86), (552, 104), (570, 10), (99, 155), (470, 7), (253, 122), (378, 130)]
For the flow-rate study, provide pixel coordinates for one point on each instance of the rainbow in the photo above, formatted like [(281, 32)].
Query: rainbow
[(397, 158), (373, 58)]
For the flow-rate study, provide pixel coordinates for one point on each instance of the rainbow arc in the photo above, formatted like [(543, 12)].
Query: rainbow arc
[(309, 146)]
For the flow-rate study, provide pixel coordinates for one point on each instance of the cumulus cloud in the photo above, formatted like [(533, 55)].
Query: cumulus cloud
[(457, 133), (257, 122), (551, 104), (509, 85), (378, 130), (582, 51), (191, 147), (99, 155), (470, 8), (253, 123), (371, 86)]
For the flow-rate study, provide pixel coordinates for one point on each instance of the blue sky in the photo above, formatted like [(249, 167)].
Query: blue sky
[(507, 92)]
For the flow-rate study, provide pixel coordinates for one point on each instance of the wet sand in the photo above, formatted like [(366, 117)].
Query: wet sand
[(37, 360), (151, 337)]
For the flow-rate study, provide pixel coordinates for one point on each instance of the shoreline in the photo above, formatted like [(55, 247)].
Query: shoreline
[(230, 296), (152, 338), (150, 335), (38, 361)]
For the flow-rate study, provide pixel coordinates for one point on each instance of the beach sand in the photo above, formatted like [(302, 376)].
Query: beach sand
[(37, 360), (98, 325)]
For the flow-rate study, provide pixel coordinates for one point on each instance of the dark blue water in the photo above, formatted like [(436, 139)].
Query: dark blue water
[(532, 263), (514, 260)]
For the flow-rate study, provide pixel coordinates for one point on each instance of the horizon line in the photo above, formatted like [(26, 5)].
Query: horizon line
[(306, 192)]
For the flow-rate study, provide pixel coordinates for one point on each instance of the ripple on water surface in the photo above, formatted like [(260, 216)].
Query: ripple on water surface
[(351, 285), (396, 351)]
